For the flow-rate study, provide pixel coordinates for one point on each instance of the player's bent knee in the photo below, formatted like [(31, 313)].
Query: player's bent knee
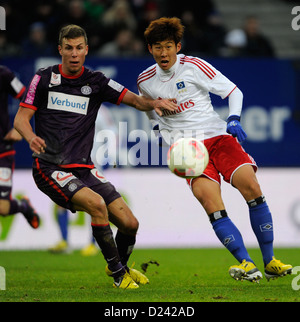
[(99, 206), (244, 179), (96, 207), (210, 200), (133, 226), (254, 187), (130, 226), (250, 189), (203, 197), (121, 215)]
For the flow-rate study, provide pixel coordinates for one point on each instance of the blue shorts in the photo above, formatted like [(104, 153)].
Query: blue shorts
[(60, 184)]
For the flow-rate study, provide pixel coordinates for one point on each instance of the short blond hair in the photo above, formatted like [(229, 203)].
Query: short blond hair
[(71, 32)]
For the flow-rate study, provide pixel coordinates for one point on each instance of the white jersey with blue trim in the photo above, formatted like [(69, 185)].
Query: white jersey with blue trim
[(190, 82)]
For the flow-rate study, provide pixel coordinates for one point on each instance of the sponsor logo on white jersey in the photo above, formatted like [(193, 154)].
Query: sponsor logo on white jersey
[(181, 108), (68, 103)]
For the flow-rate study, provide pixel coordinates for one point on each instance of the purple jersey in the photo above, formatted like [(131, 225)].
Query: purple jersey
[(66, 110), (9, 85)]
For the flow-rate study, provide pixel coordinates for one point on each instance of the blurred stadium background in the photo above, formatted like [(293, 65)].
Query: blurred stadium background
[(251, 41)]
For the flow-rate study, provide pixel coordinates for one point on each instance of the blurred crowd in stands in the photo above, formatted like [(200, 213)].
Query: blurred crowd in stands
[(115, 28)]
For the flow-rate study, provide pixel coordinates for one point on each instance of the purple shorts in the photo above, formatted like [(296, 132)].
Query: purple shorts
[(60, 184), (7, 165)]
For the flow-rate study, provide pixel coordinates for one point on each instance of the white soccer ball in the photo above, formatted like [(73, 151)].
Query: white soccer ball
[(187, 158)]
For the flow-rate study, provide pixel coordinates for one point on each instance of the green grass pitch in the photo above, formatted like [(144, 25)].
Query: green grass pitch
[(176, 275)]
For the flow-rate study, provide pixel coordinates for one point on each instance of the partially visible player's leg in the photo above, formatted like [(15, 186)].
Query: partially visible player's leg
[(244, 179), (70, 190), (63, 221), (208, 193), (62, 217), (93, 204), (121, 216), (8, 205), (14, 206), (87, 200)]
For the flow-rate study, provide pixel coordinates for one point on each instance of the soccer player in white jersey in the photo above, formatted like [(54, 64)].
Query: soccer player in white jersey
[(191, 80)]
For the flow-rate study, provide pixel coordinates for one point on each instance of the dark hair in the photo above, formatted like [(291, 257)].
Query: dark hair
[(71, 32), (164, 29)]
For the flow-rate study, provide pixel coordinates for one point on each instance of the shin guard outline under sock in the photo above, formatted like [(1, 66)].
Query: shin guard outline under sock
[(125, 244), (229, 235), (104, 238), (262, 226)]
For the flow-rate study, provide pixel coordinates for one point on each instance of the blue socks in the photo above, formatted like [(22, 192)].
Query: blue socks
[(62, 219), (262, 226), (229, 235)]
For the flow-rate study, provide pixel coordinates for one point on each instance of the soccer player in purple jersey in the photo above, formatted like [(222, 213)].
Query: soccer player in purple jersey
[(65, 100), (11, 85)]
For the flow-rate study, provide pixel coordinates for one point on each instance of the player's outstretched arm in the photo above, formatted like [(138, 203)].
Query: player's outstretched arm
[(143, 103), (23, 126)]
